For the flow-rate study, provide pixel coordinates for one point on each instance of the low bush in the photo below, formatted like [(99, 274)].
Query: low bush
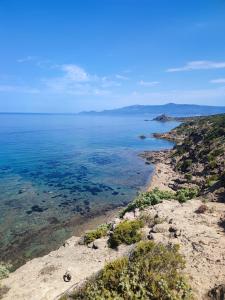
[(186, 194), (156, 196), (211, 180), (126, 232), (148, 198), (152, 271), (185, 165), (149, 220), (188, 176), (4, 270), (99, 232)]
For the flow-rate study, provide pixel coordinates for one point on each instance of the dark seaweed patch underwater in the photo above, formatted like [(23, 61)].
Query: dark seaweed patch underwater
[(59, 170)]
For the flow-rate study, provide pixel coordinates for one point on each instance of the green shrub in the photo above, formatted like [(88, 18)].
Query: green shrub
[(185, 165), (156, 196), (185, 194), (211, 180), (4, 270), (152, 271), (212, 164), (99, 232), (126, 232), (149, 220), (148, 198), (188, 176)]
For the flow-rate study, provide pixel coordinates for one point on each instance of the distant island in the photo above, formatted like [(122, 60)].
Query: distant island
[(171, 109), (166, 118)]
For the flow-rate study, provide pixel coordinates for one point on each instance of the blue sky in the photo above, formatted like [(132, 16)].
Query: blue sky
[(73, 55)]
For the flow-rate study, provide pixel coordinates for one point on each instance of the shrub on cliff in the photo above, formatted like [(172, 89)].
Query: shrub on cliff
[(152, 271), (156, 196), (126, 232), (97, 233), (186, 194), (186, 165), (148, 198), (4, 270)]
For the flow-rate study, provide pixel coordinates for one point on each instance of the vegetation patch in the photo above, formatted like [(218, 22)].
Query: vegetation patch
[(185, 194), (126, 232), (149, 220), (147, 199), (152, 271), (97, 233), (4, 270), (200, 151), (156, 196)]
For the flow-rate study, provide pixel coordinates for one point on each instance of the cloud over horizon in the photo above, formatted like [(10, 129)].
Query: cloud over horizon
[(218, 80), (148, 83), (198, 65)]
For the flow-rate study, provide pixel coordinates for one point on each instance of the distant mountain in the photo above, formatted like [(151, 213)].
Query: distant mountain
[(171, 109)]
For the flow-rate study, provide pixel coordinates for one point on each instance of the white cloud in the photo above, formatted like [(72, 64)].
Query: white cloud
[(75, 80), (75, 73), (199, 65), (148, 83), (218, 80), (121, 77), (71, 79)]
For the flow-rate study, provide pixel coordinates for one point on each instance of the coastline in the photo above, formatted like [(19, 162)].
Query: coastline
[(39, 262), (163, 172), (200, 237)]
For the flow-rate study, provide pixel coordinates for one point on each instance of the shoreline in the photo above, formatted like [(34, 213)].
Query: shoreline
[(200, 237), (62, 258), (77, 224)]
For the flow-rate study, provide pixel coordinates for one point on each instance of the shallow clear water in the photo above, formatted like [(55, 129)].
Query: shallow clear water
[(56, 169)]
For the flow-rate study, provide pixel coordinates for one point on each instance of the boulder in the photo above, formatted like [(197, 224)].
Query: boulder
[(100, 244), (217, 293), (161, 228)]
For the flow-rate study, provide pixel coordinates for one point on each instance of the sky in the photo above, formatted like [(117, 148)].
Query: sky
[(66, 56)]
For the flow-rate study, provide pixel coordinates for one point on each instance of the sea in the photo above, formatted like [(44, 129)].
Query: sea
[(58, 170)]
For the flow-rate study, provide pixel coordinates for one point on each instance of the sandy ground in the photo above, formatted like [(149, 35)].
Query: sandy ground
[(42, 278)]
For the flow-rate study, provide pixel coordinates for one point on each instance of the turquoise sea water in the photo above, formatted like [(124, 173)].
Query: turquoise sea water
[(56, 170)]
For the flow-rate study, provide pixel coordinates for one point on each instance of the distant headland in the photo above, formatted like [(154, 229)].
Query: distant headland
[(171, 109)]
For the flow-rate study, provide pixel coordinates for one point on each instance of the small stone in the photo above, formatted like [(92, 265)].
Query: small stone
[(99, 244), (81, 241), (161, 228), (136, 212), (90, 245), (145, 233), (129, 216), (115, 222), (158, 238), (218, 292), (175, 231)]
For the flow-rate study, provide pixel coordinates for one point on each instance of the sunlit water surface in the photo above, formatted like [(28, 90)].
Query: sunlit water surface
[(56, 169)]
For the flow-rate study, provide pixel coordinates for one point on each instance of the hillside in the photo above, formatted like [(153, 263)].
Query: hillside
[(171, 109)]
